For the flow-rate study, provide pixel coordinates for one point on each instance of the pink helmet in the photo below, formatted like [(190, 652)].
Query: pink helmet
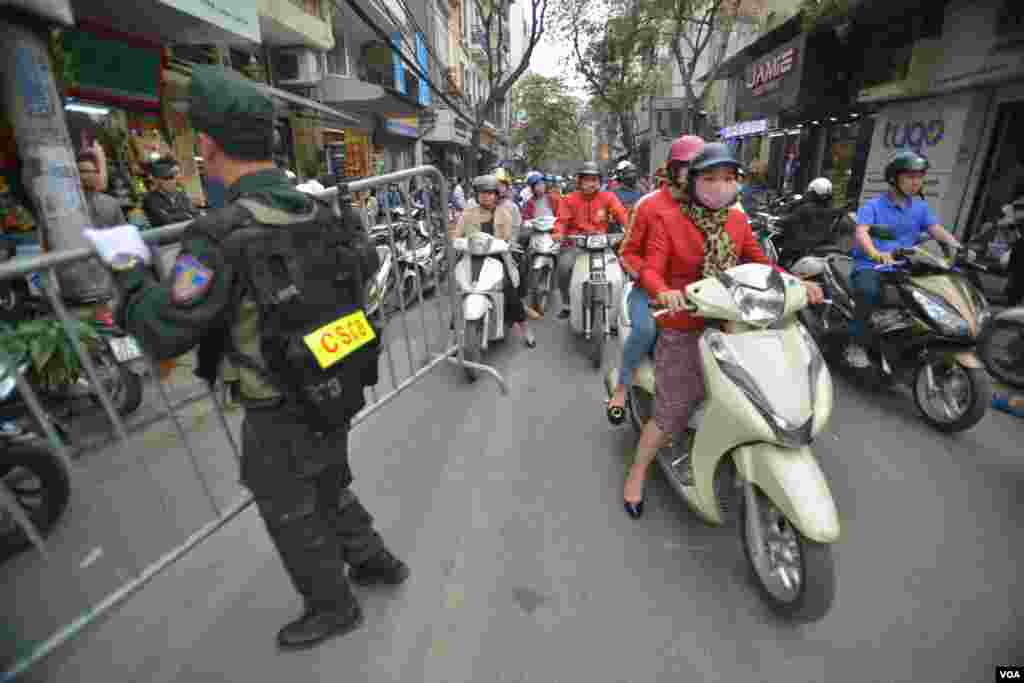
[(686, 148)]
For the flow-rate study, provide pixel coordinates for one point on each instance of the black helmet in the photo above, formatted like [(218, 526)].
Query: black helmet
[(589, 168), (904, 161), (713, 155)]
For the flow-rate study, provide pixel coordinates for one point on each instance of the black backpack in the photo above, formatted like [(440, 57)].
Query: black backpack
[(307, 280)]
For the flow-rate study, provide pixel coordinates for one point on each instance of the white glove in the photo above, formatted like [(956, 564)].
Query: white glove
[(124, 239)]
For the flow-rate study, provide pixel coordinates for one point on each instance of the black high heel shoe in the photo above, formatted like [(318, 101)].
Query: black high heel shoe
[(634, 510)]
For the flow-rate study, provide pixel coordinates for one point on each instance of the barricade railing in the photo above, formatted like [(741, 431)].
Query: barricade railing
[(125, 486)]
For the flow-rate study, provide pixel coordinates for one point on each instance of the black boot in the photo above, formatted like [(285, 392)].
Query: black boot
[(382, 568), (317, 625)]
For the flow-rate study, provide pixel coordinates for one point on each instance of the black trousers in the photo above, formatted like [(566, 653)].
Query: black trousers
[(1015, 286), (300, 481)]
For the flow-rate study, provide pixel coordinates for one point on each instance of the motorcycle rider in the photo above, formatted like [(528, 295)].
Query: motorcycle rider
[(699, 238), (587, 210), (541, 202), (646, 213), (906, 218), (505, 197), (628, 192), (495, 219), (812, 222)]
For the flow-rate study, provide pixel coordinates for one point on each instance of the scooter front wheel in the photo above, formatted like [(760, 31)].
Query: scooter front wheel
[(473, 345), (960, 396), (796, 576), (597, 335)]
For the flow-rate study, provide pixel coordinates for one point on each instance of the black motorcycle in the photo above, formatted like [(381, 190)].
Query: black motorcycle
[(927, 329), (36, 477)]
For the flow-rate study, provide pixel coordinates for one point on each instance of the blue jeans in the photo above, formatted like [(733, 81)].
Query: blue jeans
[(867, 288), (642, 335)]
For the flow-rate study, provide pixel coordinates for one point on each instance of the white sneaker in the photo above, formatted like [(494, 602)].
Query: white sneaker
[(857, 357)]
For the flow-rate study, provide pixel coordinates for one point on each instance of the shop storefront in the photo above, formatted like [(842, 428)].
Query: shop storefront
[(395, 143), (446, 143)]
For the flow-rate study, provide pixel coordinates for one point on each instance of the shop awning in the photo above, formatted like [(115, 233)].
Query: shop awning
[(361, 97), (282, 97)]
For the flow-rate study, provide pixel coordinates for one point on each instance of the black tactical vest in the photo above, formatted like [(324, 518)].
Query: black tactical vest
[(307, 279)]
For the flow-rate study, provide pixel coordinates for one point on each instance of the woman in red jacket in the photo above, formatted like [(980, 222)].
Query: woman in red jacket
[(705, 238)]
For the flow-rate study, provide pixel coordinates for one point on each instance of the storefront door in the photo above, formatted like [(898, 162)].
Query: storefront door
[(1003, 178)]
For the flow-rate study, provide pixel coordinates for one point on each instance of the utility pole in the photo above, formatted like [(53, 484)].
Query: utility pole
[(28, 92)]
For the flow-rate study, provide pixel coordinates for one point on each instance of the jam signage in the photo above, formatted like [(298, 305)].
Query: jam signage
[(764, 76), (771, 83)]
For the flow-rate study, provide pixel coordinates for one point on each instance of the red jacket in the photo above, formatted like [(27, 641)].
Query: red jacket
[(580, 214), (675, 257), (646, 214), (530, 210)]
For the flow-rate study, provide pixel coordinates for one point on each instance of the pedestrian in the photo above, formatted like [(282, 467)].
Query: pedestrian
[(166, 203), (104, 210), (232, 295)]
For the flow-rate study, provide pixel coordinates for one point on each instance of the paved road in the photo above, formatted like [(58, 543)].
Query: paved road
[(525, 567)]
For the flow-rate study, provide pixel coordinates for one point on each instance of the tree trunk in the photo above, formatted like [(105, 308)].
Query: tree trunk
[(628, 137)]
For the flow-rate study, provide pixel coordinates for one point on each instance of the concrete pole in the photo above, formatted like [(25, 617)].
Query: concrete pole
[(50, 171)]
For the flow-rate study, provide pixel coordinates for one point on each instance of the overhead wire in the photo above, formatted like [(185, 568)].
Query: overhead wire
[(414, 68)]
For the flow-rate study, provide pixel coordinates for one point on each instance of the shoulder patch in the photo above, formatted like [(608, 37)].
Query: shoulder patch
[(192, 280)]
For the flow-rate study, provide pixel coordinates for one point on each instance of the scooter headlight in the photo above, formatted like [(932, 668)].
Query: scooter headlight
[(945, 317), (788, 433), (542, 243), (597, 241)]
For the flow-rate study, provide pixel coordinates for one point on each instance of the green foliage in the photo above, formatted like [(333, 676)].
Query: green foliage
[(555, 129), (53, 359), (817, 12)]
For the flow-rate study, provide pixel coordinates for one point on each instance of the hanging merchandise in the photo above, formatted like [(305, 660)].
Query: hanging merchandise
[(15, 217)]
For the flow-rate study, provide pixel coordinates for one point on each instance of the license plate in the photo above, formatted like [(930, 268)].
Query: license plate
[(335, 340), (597, 277), (125, 349)]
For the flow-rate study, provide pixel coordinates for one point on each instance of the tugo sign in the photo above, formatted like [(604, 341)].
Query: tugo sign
[(917, 135), (932, 127)]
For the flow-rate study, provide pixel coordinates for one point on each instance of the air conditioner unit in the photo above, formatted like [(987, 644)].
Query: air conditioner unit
[(299, 66)]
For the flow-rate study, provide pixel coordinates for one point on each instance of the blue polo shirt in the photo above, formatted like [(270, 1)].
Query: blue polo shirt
[(627, 196), (906, 223)]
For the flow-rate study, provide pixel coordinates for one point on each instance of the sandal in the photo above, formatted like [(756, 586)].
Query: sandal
[(1003, 403), (616, 414)]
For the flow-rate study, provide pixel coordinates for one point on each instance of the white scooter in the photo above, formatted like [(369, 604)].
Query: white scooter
[(595, 291), (480, 278), (543, 256), (769, 393)]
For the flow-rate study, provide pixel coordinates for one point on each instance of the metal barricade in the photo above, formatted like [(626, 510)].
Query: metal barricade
[(124, 486)]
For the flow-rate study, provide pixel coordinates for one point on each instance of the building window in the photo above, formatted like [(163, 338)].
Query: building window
[(337, 58)]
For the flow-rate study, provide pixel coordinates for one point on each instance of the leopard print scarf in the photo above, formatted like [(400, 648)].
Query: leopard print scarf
[(719, 249)]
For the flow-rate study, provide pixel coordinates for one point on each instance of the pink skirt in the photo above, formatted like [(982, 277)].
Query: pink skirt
[(679, 379)]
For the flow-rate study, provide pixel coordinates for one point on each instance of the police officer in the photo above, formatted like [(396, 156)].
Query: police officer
[(165, 203), (299, 475)]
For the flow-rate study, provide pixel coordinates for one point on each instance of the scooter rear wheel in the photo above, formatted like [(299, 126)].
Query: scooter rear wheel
[(796, 576)]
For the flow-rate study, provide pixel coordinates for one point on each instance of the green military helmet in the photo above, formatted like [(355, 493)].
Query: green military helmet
[(233, 111), (163, 167)]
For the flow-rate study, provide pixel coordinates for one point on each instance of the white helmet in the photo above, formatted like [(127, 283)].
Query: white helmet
[(820, 188), (625, 165)]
